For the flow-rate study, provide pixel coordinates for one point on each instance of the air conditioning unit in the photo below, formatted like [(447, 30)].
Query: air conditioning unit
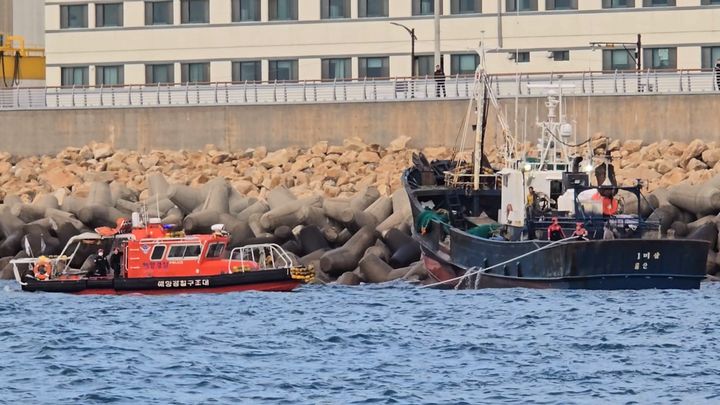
[(550, 54), (511, 56)]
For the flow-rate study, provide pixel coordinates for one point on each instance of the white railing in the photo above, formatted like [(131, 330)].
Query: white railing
[(362, 90)]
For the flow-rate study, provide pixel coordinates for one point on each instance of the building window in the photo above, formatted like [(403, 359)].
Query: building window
[(425, 65), (710, 55), (660, 58), (282, 10), (618, 3), (338, 68), (74, 76), (425, 7), (160, 74), (335, 9), (521, 57), (74, 16), (109, 15), (158, 12), (561, 4), (464, 64), (374, 67), (283, 70), (245, 10), (710, 2), (521, 5), (559, 56), (109, 75), (658, 3), (194, 11), (372, 8), (246, 71), (619, 59), (465, 6), (195, 72)]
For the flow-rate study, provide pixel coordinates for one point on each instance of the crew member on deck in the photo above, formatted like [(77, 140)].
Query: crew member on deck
[(115, 260), (555, 231), (580, 232), (101, 264)]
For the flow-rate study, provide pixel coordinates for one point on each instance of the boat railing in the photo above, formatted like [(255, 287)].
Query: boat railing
[(467, 180), (265, 255)]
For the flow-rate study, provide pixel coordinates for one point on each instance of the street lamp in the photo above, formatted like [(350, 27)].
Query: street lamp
[(410, 31), (637, 57)]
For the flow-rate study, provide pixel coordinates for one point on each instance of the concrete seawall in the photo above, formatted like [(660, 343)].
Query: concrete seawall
[(429, 123)]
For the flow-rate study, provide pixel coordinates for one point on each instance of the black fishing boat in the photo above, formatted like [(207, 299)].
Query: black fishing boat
[(539, 222)]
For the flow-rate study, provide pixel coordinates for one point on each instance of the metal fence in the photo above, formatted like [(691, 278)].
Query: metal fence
[(363, 90)]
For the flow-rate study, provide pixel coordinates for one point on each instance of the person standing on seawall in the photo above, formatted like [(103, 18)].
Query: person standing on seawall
[(439, 81), (717, 74)]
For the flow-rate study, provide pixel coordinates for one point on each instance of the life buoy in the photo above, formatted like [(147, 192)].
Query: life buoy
[(245, 265), (42, 269)]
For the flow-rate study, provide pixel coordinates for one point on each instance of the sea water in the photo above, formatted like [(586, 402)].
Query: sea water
[(372, 344)]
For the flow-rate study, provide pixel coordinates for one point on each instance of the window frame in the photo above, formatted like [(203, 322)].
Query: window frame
[(186, 71), (236, 8), (100, 72), (706, 55), (325, 69), (609, 4), (272, 71), (325, 8), (100, 15), (150, 73), (417, 8), (273, 9), (510, 6), (363, 67), (551, 5), (649, 3), (150, 12), (363, 9), (186, 10), (456, 62), (649, 58), (608, 64), (162, 255), (65, 16), (564, 53), (710, 3), (184, 247), (455, 7), (210, 250), (237, 71), (85, 75)]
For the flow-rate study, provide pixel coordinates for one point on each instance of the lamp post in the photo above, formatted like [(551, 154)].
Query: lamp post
[(410, 31), (637, 57)]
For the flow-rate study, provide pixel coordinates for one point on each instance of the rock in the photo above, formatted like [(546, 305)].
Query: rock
[(693, 150), (149, 161), (398, 144), (632, 146), (695, 164), (664, 165), (319, 148), (711, 157), (59, 178), (101, 150), (368, 157)]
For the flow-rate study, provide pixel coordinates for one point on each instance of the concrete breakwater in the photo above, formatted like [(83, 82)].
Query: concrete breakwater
[(338, 208)]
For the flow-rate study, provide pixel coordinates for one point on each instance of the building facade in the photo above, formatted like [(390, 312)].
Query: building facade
[(111, 42)]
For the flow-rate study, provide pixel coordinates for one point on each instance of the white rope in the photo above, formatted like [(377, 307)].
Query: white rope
[(471, 272)]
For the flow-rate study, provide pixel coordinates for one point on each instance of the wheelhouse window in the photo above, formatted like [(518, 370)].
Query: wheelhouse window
[(283, 70), (109, 75), (337, 68), (158, 252), (282, 10), (74, 76), (195, 72), (160, 74), (464, 64), (372, 8), (660, 58), (245, 10), (521, 5), (195, 12), (618, 3), (331, 9), (246, 71), (74, 16), (184, 251), (158, 12), (561, 4), (215, 250), (465, 6), (109, 15)]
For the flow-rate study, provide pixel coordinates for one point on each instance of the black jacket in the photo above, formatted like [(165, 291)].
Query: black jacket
[(439, 75)]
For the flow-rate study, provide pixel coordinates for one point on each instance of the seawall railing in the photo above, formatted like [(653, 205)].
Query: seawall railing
[(356, 90)]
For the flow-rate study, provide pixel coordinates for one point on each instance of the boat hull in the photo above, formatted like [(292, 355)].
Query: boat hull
[(592, 265), (266, 280)]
